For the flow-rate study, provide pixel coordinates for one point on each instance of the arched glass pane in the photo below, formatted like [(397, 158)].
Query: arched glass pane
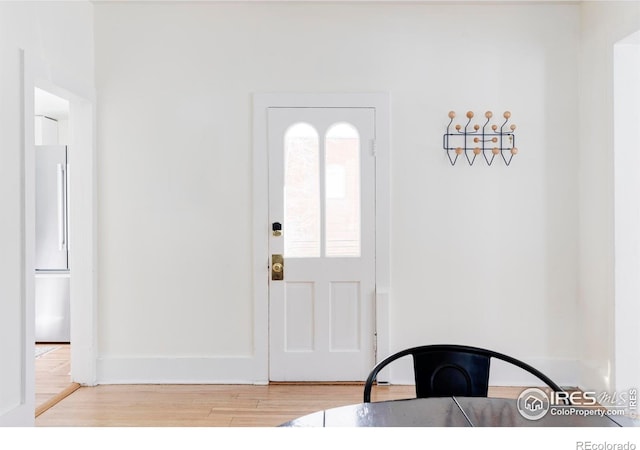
[(342, 191), (301, 192)]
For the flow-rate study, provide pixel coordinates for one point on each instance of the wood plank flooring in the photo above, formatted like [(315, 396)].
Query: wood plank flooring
[(190, 405), (211, 405), (52, 374)]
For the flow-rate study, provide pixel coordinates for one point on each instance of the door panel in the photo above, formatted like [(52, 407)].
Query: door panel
[(299, 316), (345, 312), (322, 191)]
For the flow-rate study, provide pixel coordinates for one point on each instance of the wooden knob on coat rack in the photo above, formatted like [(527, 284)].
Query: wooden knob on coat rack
[(452, 114)]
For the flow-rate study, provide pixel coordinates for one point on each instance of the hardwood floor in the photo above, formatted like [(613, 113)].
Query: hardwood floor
[(210, 405), (53, 377), (61, 403)]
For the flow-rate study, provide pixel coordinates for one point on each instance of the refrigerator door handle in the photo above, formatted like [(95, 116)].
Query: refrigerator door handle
[(62, 235)]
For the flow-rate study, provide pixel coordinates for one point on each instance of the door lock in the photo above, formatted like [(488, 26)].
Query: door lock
[(276, 228), (277, 267)]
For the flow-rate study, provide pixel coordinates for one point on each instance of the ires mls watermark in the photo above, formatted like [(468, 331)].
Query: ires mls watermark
[(535, 403)]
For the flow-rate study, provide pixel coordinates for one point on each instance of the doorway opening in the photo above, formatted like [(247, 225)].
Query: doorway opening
[(67, 110), (271, 230), (52, 274), (322, 196)]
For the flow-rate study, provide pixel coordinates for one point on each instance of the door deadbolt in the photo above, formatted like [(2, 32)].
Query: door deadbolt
[(277, 267), (276, 228)]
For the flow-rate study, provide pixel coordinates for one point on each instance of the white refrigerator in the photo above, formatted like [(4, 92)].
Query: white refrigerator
[(52, 276)]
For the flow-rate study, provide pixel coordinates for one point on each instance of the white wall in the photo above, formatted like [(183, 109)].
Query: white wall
[(61, 37), (480, 255), (603, 24)]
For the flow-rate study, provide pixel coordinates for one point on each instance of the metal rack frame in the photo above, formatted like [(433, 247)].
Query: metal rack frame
[(503, 141)]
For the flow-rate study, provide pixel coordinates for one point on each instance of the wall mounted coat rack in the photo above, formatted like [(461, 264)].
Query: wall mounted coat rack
[(475, 140)]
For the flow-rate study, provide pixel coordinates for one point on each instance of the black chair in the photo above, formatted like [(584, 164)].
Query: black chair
[(452, 370)]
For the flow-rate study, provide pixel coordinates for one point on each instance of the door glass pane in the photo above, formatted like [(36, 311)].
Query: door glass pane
[(342, 191), (301, 228)]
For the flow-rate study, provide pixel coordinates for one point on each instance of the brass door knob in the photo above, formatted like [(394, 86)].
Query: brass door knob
[(277, 267)]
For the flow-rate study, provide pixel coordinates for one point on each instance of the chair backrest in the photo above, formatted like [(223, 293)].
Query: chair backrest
[(452, 370)]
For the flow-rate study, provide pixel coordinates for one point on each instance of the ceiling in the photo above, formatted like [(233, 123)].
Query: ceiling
[(151, 2)]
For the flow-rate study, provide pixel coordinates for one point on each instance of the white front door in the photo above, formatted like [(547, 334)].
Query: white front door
[(322, 216)]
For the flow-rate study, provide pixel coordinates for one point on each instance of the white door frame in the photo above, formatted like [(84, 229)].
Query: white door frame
[(261, 103), (82, 213), (626, 371)]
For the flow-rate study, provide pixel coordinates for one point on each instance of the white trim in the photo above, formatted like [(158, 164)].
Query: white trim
[(214, 370), (626, 370), (382, 331), (261, 103), (28, 199), (21, 413)]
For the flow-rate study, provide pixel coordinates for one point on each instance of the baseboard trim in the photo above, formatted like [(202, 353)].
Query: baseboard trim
[(245, 370), (213, 370)]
